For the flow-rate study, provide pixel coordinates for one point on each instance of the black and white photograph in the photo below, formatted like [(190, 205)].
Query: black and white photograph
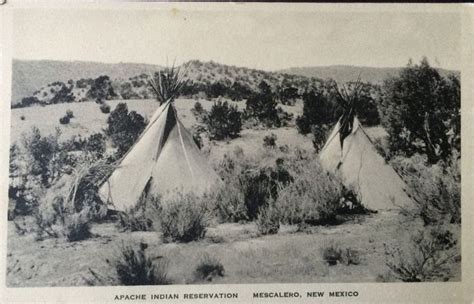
[(234, 145)]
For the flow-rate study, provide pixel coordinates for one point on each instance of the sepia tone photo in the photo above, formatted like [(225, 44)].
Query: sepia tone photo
[(233, 146)]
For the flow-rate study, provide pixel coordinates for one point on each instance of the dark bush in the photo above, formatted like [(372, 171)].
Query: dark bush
[(69, 113), (46, 156), (64, 120), (105, 108), (269, 141), (22, 117), (28, 101), (268, 220), (77, 227), (96, 144), (318, 109), (208, 269), (134, 268), (262, 107), (319, 134), (223, 121), (334, 254), (124, 127), (101, 89)]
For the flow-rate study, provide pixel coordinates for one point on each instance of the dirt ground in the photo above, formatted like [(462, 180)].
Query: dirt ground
[(286, 257)]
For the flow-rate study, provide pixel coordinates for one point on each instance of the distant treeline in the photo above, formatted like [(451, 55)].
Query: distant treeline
[(205, 80)]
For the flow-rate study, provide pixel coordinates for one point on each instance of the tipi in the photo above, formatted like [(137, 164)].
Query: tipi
[(350, 153), (164, 161)]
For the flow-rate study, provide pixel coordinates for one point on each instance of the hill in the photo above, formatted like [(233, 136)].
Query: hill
[(60, 81), (345, 73), (29, 76)]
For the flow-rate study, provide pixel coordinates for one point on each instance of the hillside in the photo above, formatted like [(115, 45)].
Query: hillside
[(344, 73), (57, 81), (29, 76), (130, 80)]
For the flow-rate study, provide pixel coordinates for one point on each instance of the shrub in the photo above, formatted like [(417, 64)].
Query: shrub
[(319, 134), (45, 156), (208, 269), (426, 259), (334, 254), (183, 218), (70, 113), (96, 144), (133, 267), (54, 219), (198, 110), (64, 120), (269, 141), (223, 121), (22, 117), (77, 226), (105, 108), (436, 189), (134, 220), (268, 221), (259, 188), (248, 187), (304, 201), (284, 149), (229, 203)]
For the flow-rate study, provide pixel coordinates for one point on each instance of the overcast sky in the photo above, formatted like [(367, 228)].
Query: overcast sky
[(261, 39)]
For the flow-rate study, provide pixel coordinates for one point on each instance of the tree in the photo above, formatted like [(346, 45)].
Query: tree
[(318, 110), (263, 106), (46, 158), (217, 89), (287, 94), (28, 101), (63, 94), (420, 110), (239, 91), (223, 121), (101, 89), (124, 127)]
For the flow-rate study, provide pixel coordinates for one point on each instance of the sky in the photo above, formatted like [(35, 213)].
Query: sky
[(263, 39)]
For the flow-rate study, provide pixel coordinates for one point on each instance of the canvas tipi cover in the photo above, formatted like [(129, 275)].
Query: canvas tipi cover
[(164, 159), (362, 169)]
